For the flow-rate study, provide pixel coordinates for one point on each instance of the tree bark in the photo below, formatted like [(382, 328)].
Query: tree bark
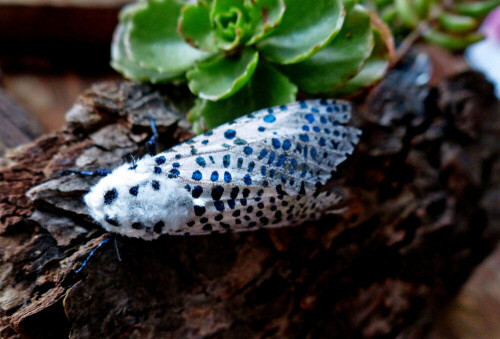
[(422, 188)]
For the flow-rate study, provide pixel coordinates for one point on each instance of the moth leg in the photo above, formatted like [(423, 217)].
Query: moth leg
[(96, 173), (151, 145), (91, 254)]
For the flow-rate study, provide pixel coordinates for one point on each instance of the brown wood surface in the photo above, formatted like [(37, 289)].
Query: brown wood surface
[(422, 189)]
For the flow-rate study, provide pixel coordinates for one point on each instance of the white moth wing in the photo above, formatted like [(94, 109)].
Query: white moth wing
[(309, 135)]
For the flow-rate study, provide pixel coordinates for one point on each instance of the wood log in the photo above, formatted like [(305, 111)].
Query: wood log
[(422, 190)]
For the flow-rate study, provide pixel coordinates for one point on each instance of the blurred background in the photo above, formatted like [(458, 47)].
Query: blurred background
[(50, 51)]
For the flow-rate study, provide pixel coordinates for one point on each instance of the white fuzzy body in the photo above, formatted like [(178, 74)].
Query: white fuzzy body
[(171, 204)]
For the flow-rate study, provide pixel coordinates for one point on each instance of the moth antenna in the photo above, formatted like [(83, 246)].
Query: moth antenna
[(151, 145)]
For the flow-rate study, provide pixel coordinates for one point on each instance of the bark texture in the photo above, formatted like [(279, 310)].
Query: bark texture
[(424, 187)]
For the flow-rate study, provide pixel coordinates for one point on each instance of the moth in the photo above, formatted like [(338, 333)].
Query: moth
[(264, 169)]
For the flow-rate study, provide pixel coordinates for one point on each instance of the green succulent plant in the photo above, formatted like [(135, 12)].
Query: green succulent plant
[(238, 56), (449, 24)]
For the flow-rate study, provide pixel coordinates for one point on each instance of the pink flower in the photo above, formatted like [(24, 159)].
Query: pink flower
[(491, 25)]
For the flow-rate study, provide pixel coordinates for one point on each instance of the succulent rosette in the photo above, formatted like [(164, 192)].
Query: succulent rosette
[(238, 56)]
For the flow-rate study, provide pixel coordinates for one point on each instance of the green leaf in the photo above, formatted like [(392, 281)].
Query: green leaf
[(451, 42), (307, 26), (477, 8), (154, 42), (348, 5), (372, 72), (127, 11), (223, 76), (407, 12), (196, 28), (457, 23), (121, 62), (267, 88), (233, 24), (388, 14), (221, 6), (340, 60), (267, 14), (379, 4), (423, 8), (120, 58)]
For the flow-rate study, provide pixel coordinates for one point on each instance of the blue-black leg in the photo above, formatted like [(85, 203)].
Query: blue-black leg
[(91, 254), (151, 145)]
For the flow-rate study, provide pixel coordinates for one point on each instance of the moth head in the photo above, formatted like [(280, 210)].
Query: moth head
[(134, 201)]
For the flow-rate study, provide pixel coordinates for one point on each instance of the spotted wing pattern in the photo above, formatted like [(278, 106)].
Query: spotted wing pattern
[(263, 169)]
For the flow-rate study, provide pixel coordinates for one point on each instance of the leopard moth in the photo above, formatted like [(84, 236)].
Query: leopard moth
[(261, 170)]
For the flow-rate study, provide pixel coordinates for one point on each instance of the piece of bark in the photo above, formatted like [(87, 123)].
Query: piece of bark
[(421, 217)]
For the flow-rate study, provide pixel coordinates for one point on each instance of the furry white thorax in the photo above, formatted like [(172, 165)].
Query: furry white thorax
[(171, 203)]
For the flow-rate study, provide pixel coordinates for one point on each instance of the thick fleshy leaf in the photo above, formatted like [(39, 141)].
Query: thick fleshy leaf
[(154, 42), (407, 12), (476, 8), (221, 6), (423, 8), (232, 23), (372, 72), (451, 41), (266, 88), (223, 76), (307, 26), (457, 23), (195, 27), (127, 11), (121, 62), (267, 14), (341, 60)]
